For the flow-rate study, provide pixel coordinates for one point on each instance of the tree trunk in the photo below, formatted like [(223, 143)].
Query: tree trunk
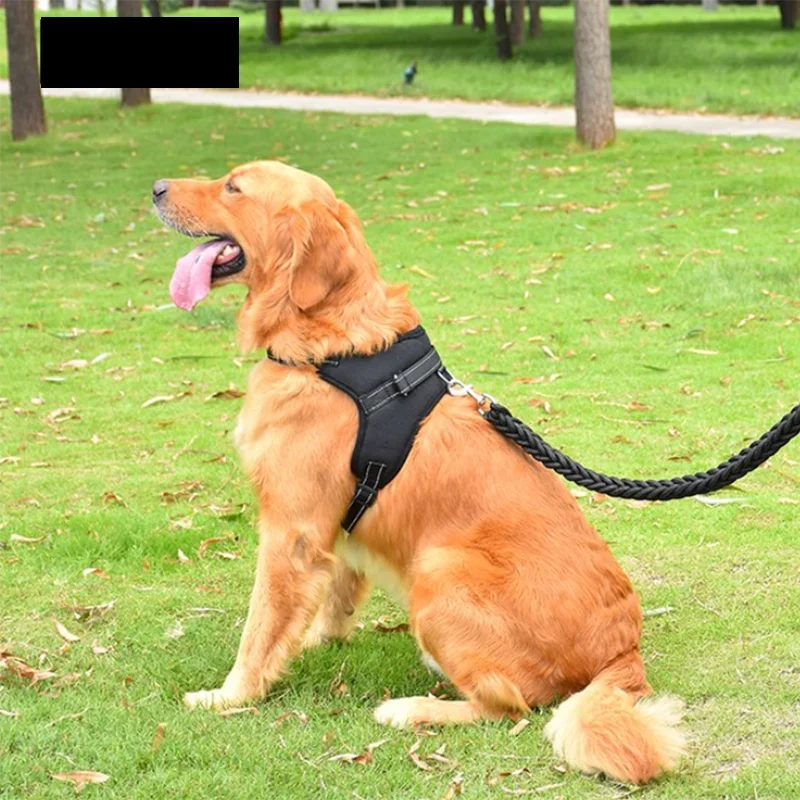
[(272, 33), (129, 8), (154, 8), (594, 106), (517, 21), (534, 19), (789, 13), (458, 12), (27, 109), (478, 8), (501, 30), (135, 97)]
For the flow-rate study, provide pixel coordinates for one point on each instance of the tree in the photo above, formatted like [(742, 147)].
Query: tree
[(27, 108), (154, 8), (458, 12), (132, 97), (594, 106), (272, 32), (478, 8), (517, 21), (501, 30), (789, 13), (135, 97), (534, 19)]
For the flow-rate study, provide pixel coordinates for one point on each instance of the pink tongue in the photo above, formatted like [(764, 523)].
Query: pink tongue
[(191, 281)]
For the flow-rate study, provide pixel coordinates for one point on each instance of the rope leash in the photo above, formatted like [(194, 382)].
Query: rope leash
[(736, 467)]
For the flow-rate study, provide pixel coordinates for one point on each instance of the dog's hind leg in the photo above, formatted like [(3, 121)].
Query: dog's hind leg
[(336, 616), (293, 568), (472, 647)]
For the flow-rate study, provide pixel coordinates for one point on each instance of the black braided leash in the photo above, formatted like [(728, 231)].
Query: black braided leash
[(725, 474)]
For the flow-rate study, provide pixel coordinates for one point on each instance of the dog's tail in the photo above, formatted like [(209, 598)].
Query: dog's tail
[(604, 729)]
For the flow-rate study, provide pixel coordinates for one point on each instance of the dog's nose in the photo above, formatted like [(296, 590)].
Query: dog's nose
[(159, 189)]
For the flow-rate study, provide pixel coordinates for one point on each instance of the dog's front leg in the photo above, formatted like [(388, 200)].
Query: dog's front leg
[(294, 567)]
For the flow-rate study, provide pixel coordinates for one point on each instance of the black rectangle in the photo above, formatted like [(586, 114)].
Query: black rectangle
[(108, 52)]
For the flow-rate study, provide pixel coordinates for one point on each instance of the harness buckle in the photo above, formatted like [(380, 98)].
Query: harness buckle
[(459, 388)]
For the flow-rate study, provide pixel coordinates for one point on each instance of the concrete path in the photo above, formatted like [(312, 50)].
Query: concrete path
[(711, 124)]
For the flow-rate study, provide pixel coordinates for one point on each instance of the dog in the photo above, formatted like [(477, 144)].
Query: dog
[(511, 594)]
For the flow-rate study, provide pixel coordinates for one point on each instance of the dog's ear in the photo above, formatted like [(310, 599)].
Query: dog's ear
[(317, 245)]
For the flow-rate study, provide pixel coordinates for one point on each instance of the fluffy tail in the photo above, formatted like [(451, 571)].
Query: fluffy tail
[(604, 729)]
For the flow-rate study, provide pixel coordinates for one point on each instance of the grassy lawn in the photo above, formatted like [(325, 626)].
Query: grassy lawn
[(683, 58), (639, 306)]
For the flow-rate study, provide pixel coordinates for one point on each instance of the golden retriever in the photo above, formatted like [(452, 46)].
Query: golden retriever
[(510, 592)]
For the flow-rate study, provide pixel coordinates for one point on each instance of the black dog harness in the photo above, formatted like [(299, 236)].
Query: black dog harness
[(394, 391)]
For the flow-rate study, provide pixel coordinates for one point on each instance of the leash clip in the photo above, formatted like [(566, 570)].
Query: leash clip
[(458, 388)]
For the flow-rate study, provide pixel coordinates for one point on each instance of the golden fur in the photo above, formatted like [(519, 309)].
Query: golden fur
[(509, 590)]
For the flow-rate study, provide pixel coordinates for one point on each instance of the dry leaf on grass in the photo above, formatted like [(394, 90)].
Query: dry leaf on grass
[(75, 363), (98, 573), (206, 543), (183, 558), (303, 718), (232, 712), (359, 758), (100, 650), (15, 537), (503, 775), (90, 613), (159, 736), (455, 787), (381, 627), (159, 398), (60, 415), (65, 634), (175, 631), (16, 666), (416, 760), (12, 714), (519, 727), (80, 777), (231, 393)]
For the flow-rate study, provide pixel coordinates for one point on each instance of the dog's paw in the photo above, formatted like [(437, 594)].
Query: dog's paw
[(214, 698), (402, 712)]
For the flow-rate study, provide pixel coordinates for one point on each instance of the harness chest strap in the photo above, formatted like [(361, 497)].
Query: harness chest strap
[(394, 391)]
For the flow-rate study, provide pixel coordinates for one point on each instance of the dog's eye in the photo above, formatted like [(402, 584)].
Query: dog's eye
[(231, 188)]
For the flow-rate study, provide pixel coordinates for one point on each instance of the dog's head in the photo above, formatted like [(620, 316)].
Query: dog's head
[(272, 227)]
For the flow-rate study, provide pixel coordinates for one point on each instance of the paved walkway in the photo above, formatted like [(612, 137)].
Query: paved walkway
[(712, 124)]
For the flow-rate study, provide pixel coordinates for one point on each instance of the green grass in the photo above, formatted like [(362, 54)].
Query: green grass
[(681, 58), (661, 273)]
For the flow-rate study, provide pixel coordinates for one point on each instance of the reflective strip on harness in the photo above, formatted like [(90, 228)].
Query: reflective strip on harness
[(394, 391)]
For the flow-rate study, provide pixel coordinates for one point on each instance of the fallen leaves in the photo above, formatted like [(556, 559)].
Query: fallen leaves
[(159, 398), (80, 777), (363, 758), (206, 543), (298, 715), (232, 712), (16, 666), (519, 727), (231, 393), (64, 633), (158, 739), (90, 614), (97, 572), (175, 631), (61, 415), (16, 538)]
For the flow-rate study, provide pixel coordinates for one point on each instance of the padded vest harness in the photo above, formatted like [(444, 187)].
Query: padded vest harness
[(394, 391)]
